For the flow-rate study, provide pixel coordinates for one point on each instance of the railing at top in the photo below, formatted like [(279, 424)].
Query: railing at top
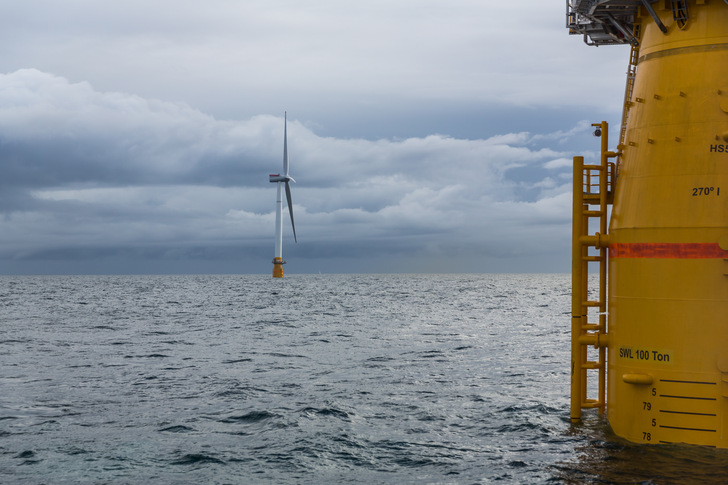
[(602, 22)]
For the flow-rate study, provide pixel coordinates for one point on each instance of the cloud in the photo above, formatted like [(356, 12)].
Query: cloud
[(558, 163), (57, 132), (239, 59)]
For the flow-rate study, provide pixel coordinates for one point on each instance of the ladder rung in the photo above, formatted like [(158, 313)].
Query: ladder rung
[(597, 339), (591, 327), (591, 303), (591, 403), (592, 365), (592, 258), (593, 213)]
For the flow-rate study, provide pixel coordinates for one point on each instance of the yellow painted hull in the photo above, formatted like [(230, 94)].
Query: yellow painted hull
[(667, 377)]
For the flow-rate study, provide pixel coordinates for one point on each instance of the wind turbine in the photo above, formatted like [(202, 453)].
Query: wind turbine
[(282, 180)]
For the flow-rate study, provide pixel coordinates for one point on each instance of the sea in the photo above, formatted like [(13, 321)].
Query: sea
[(309, 379)]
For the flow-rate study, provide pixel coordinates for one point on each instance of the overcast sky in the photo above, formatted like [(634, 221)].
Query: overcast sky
[(424, 136)]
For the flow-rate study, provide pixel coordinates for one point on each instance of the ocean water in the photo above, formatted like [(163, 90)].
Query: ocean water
[(309, 379)]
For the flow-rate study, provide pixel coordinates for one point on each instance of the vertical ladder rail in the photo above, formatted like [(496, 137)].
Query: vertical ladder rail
[(577, 310), (680, 13), (603, 201), (629, 88), (592, 187)]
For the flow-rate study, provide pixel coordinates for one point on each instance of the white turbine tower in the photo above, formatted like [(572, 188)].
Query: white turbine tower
[(282, 180)]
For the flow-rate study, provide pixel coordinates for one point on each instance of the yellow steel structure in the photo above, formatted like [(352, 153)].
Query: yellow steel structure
[(661, 316), (278, 267)]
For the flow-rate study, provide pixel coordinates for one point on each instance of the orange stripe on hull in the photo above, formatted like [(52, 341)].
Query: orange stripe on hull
[(667, 250)]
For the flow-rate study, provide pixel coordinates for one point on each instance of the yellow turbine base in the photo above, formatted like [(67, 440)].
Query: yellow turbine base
[(277, 268)]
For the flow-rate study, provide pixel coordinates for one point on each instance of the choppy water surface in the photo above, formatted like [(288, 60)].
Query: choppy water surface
[(309, 379)]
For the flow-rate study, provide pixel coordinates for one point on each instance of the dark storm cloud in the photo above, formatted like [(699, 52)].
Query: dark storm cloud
[(53, 132)]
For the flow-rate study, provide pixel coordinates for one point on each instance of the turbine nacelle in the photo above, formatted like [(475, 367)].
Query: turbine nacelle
[(276, 177)]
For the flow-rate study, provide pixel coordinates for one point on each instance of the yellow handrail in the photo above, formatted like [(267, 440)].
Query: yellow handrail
[(584, 333)]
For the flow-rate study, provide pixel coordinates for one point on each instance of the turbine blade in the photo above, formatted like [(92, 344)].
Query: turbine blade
[(290, 209), (285, 144)]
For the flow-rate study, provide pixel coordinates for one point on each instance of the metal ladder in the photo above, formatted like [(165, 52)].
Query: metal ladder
[(629, 87), (680, 13), (592, 193)]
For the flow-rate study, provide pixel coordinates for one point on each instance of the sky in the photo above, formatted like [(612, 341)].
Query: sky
[(424, 136)]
